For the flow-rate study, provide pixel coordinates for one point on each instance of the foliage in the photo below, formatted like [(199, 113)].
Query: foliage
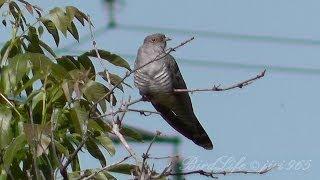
[(46, 101)]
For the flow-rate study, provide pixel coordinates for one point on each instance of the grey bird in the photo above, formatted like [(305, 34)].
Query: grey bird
[(156, 83)]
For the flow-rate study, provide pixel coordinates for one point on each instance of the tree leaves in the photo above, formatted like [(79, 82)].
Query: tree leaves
[(112, 58), (73, 11), (94, 150), (51, 28), (51, 97), (123, 168), (129, 132), (12, 150), (5, 118), (60, 19), (106, 142)]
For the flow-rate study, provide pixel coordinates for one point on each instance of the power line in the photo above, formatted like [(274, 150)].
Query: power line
[(229, 65), (223, 35), (206, 63)]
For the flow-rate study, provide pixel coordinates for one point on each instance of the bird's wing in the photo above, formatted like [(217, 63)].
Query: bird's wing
[(179, 113)]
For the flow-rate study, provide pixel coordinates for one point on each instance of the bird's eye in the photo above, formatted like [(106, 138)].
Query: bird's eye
[(153, 40)]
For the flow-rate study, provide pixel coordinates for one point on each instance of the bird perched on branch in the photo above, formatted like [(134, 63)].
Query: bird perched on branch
[(156, 82)]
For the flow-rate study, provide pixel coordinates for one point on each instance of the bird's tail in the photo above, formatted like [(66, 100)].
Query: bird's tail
[(185, 123)]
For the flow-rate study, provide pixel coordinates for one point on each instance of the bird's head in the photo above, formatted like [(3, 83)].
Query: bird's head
[(156, 40)]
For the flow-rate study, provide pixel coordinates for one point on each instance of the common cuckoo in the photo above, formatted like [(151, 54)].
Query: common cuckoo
[(156, 83)]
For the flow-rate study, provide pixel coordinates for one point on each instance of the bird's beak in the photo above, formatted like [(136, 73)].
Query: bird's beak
[(168, 39)]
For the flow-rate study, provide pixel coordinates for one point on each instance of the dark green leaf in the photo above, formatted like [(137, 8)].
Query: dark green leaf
[(47, 48), (40, 30), (94, 126), (4, 22), (115, 79), (5, 118), (123, 168), (131, 133), (78, 117), (77, 13), (51, 28), (93, 91), (61, 148), (2, 2), (75, 165), (17, 144), (8, 80), (87, 64), (94, 150), (73, 30), (29, 83), (112, 58), (59, 18), (43, 64), (107, 143), (33, 38), (68, 62)]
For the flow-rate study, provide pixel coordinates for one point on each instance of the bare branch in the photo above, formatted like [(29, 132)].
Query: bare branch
[(105, 168), (218, 88), (115, 130), (63, 169), (214, 174)]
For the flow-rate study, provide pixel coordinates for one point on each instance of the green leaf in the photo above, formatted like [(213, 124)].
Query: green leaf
[(20, 67), (36, 99), (5, 118), (94, 150), (52, 29), (93, 91), (47, 48), (59, 18), (8, 80), (2, 2), (17, 144), (78, 116), (123, 168), (68, 62), (87, 64), (43, 64), (29, 83), (115, 79), (77, 13), (73, 31), (61, 148), (131, 133), (99, 125), (112, 58), (40, 30), (94, 126), (107, 143), (75, 165), (33, 38)]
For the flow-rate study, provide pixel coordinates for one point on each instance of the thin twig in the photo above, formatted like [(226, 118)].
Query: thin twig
[(145, 156), (105, 168), (143, 112), (12, 105), (116, 131), (164, 157), (214, 174), (63, 169), (218, 88)]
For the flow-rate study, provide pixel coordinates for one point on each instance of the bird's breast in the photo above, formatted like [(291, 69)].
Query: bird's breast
[(149, 81)]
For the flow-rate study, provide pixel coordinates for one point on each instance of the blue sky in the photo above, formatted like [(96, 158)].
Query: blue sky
[(275, 119)]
